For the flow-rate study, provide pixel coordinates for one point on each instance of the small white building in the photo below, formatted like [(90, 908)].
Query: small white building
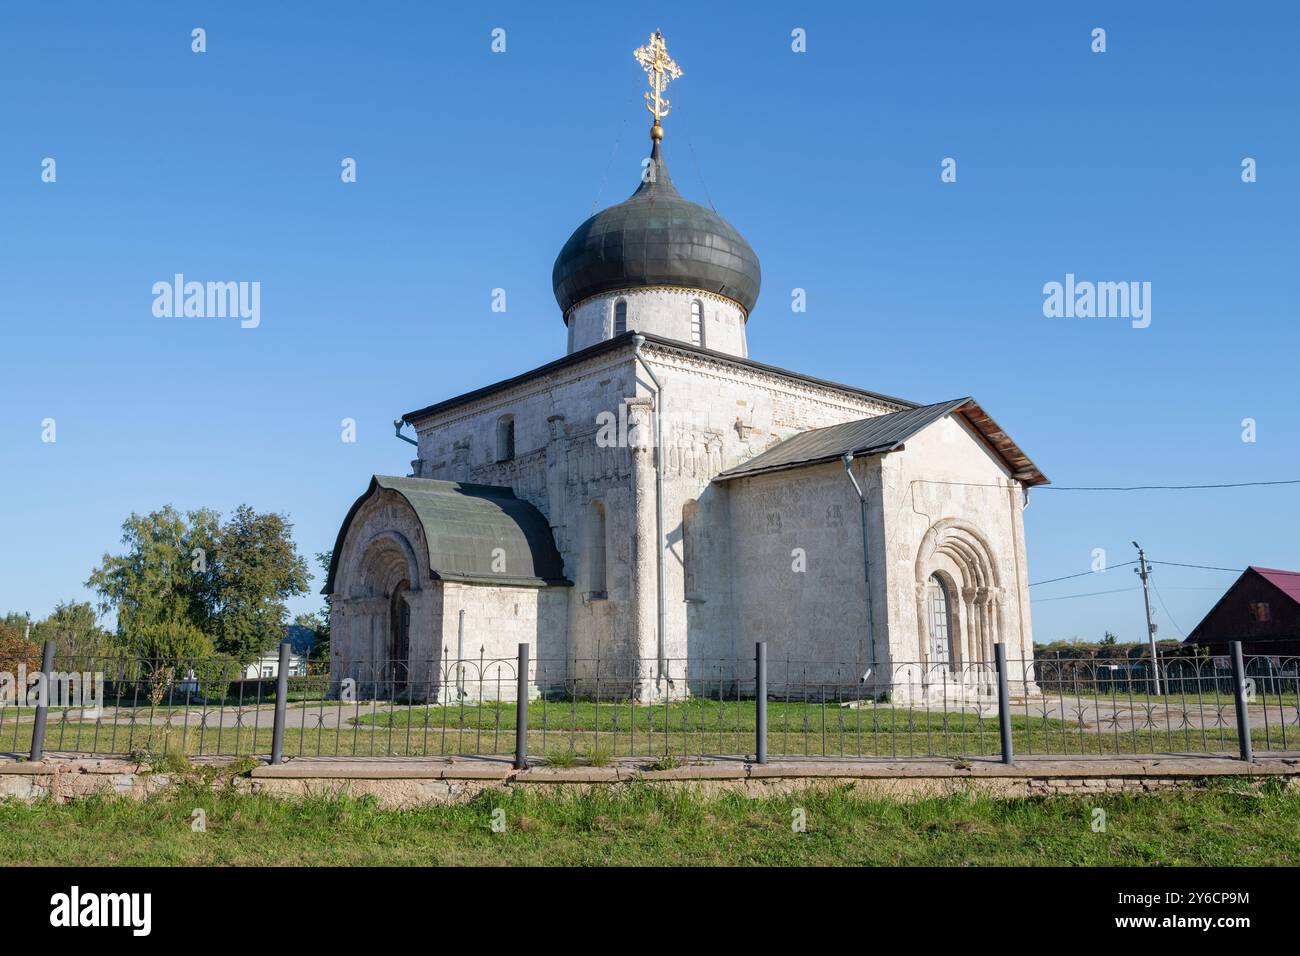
[(269, 666)]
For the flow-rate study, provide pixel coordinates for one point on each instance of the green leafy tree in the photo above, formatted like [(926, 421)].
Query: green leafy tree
[(79, 640), (171, 642), (320, 622), (166, 649), (227, 580), (258, 569), (214, 675), (164, 575)]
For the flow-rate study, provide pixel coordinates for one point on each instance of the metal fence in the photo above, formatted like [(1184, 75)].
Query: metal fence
[(595, 711)]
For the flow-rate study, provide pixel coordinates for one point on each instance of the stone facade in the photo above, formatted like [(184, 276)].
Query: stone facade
[(773, 557)]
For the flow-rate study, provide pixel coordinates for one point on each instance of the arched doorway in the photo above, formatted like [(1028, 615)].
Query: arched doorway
[(399, 638), (960, 604), (939, 607)]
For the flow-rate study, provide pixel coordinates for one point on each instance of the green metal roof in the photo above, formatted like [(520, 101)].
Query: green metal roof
[(463, 525)]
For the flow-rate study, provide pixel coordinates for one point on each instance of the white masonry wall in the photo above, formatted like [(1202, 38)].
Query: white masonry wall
[(661, 311), (951, 507), (742, 588)]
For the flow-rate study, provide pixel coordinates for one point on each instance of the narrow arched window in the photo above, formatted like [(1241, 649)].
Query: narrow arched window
[(505, 438), (620, 316), (697, 323), (596, 548), (940, 612)]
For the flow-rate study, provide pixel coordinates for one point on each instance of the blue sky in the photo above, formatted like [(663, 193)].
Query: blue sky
[(473, 168)]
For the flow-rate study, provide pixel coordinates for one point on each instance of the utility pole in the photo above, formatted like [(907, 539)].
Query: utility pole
[(1143, 570)]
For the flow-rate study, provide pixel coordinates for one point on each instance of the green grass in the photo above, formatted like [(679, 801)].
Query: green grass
[(1226, 825)]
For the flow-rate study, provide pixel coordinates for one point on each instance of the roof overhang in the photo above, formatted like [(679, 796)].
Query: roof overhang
[(657, 342), (885, 434)]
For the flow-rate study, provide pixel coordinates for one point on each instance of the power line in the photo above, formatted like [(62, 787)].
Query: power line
[(1203, 567), (1082, 574), (1234, 484), (1171, 564), (1161, 599), (1066, 597), (1206, 567)]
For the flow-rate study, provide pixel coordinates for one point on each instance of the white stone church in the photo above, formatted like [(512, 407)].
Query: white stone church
[(657, 501)]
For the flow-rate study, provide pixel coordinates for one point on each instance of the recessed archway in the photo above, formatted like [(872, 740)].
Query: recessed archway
[(958, 555)]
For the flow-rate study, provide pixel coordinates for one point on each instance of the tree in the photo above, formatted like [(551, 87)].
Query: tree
[(320, 650), (171, 642), (227, 580), (165, 573), (78, 638), (168, 647), (14, 648), (258, 568), (1109, 640)]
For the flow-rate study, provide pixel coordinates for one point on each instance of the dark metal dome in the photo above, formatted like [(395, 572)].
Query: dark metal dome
[(656, 238)]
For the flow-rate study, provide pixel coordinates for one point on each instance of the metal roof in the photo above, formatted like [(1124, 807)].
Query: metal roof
[(1288, 582), (881, 434), (624, 341), (656, 238), (463, 525)]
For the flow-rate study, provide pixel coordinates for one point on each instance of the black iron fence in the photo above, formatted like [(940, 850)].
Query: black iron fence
[(595, 711)]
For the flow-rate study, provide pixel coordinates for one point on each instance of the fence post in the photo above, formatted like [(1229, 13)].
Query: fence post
[(43, 704), (760, 702), (281, 699), (1004, 702), (1243, 713), (521, 710)]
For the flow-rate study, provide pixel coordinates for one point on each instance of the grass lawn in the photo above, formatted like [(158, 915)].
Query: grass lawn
[(696, 727), (1226, 825)]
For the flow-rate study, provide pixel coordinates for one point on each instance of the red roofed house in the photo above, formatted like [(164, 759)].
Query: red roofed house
[(1261, 609)]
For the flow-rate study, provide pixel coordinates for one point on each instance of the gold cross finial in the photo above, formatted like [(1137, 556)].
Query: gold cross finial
[(660, 69)]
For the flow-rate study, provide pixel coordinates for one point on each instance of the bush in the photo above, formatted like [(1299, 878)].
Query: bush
[(214, 675), (14, 650), (171, 642), (165, 649)]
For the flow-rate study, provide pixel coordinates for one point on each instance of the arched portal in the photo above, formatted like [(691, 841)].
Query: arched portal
[(399, 638), (381, 600), (960, 603)]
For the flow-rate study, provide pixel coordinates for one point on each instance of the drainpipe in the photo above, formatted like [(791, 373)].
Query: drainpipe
[(662, 628), (866, 555), (397, 427)]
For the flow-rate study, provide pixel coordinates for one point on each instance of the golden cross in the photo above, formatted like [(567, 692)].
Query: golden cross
[(660, 69)]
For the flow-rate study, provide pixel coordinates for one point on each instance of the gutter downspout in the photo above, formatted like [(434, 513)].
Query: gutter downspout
[(397, 427), (662, 627), (866, 555)]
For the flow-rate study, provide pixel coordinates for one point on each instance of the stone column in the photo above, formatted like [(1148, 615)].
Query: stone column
[(643, 600)]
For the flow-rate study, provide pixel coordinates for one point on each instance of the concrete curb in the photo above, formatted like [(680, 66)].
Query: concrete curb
[(412, 782)]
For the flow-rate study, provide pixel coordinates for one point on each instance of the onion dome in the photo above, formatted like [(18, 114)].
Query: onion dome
[(656, 238)]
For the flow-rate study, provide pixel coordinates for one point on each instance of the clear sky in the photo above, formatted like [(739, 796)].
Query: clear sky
[(473, 167)]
